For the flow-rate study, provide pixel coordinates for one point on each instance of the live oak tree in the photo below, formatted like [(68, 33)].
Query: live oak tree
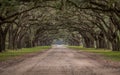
[(29, 23)]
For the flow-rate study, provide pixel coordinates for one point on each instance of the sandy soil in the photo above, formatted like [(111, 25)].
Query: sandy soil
[(61, 61)]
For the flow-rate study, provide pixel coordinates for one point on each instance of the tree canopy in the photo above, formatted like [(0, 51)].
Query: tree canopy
[(29, 23)]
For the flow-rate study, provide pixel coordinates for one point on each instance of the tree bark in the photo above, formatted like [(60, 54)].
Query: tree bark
[(88, 43)]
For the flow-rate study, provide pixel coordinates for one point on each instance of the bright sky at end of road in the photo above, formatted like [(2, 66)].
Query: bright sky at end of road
[(59, 46)]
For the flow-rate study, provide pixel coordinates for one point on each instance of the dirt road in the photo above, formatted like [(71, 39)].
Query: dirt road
[(60, 61)]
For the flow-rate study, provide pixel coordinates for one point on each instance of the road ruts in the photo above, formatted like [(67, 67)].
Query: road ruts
[(60, 61)]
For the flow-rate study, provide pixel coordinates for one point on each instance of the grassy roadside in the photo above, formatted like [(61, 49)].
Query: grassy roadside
[(13, 53), (114, 56)]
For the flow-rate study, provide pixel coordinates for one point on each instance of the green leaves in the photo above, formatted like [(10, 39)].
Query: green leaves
[(8, 6), (8, 2)]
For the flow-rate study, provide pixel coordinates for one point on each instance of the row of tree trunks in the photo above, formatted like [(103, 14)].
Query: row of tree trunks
[(115, 45), (88, 43)]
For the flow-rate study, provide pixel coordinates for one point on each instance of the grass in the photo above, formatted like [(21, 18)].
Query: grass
[(13, 53), (114, 56)]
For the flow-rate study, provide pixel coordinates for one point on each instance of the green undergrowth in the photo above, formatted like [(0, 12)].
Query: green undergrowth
[(13, 53), (112, 55)]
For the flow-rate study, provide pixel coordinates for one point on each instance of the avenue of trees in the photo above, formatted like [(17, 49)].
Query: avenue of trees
[(29, 23)]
